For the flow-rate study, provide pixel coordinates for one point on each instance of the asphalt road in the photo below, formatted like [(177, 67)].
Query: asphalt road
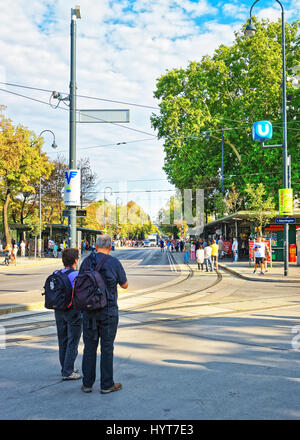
[(144, 267), (211, 346)]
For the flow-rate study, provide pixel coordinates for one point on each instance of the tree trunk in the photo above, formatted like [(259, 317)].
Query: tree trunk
[(5, 218)]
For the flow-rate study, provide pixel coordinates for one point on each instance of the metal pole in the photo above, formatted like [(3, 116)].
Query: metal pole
[(284, 127), (285, 154), (104, 211), (222, 165), (40, 217), (72, 125)]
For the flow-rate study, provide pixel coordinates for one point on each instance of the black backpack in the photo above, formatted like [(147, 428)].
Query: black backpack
[(89, 289), (58, 290)]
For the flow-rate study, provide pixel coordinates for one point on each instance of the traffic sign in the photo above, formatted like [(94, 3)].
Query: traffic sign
[(287, 220), (79, 213)]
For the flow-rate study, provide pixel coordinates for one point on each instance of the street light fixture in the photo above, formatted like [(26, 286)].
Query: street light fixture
[(250, 30), (54, 145)]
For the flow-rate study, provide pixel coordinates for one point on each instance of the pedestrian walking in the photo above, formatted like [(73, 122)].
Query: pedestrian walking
[(259, 254), (58, 294), (22, 247), (235, 249), (200, 257), (207, 257), (162, 245), (187, 250), (102, 325), (214, 254), (193, 250), (267, 254), (14, 253), (55, 250), (221, 247)]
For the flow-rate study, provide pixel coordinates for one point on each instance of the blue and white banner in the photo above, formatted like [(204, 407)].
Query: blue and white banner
[(72, 188)]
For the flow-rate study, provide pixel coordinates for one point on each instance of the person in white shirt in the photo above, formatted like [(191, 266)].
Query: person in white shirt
[(235, 249), (259, 254), (200, 257), (22, 246), (207, 257)]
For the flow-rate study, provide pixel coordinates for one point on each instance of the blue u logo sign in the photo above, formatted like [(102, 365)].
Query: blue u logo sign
[(262, 131)]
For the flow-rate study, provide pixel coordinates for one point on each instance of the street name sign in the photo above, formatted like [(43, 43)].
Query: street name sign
[(103, 116), (287, 220), (79, 213)]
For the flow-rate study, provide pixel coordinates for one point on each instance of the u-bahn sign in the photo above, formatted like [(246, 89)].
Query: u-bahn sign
[(262, 131)]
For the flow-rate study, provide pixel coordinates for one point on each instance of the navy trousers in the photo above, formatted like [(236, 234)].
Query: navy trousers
[(98, 326), (69, 327)]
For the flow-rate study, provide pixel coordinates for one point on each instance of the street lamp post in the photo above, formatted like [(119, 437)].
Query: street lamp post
[(111, 193), (75, 14), (249, 32), (40, 194)]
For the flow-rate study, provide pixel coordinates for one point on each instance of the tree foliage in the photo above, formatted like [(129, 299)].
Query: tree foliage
[(232, 89), (260, 204), (21, 165)]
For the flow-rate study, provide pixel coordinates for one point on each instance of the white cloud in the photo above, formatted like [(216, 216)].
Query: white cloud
[(121, 51)]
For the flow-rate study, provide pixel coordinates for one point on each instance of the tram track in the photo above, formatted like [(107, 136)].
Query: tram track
[(31, 326), (153, 307)]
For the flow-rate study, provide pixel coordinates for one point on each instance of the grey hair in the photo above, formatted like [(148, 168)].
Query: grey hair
[(104, 241)]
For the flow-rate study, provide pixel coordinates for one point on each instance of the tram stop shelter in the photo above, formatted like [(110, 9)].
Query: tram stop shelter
[(241, 225)]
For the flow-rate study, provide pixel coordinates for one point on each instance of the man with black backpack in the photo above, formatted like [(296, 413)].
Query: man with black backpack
[(58, 296), (100, 320)]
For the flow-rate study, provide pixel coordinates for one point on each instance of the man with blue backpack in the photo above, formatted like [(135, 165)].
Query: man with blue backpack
[(58, 291), (95, 293)]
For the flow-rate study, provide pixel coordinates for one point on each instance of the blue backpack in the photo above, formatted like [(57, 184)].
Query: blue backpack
[(58, 290)]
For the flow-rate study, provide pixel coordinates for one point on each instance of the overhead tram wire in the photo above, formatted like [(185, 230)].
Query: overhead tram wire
[(92, 117), (123, 102), (113, 123), (82, 96)]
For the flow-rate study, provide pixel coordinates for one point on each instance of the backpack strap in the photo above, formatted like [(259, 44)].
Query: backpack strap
[(101, 262)]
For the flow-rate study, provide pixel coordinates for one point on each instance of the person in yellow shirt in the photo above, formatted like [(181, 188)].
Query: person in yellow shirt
[(214, 254)]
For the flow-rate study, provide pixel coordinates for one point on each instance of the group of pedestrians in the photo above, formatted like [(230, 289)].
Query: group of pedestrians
[(206, 253), (11, 251), (95, 326)]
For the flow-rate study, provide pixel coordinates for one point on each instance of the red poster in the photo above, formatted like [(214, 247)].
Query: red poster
[(251, 252), (227, 247)]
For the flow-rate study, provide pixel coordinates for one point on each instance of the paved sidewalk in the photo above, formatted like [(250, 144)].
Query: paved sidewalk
[(27, 262), (275, 273)]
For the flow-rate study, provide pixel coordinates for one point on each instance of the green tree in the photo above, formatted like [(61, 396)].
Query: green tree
[(21, 164), (235, 87), (262, 207)]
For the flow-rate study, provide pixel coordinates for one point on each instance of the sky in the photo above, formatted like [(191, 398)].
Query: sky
[(123, 47)]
